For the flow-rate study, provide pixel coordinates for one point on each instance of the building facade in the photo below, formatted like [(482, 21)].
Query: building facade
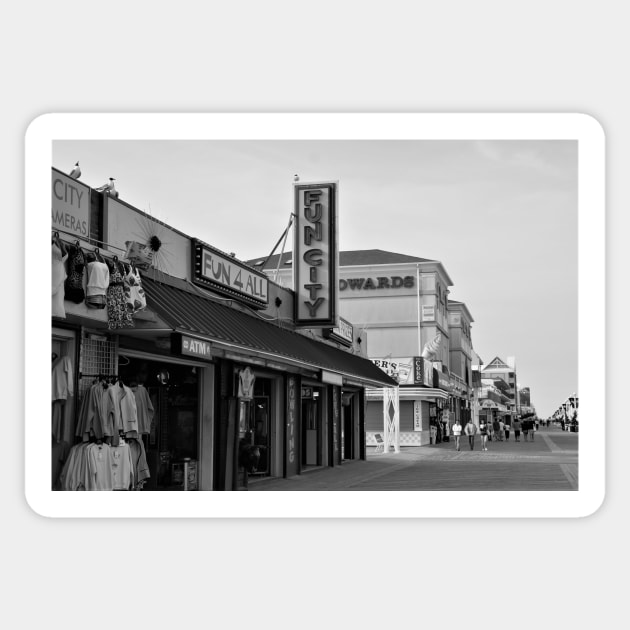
[(401, 304), (178, 367), (499, 392)]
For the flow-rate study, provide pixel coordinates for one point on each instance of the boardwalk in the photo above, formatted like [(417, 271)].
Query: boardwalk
[(550, 462)]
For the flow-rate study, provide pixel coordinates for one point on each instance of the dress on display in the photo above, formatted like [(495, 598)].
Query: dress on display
[(97, 283), (62, 389), (59, 258), (117, 314), (74, 282), (134, 293)]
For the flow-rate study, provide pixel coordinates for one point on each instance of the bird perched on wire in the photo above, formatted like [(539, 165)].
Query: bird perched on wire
[(296, 178), (109, 188), (75, 173)]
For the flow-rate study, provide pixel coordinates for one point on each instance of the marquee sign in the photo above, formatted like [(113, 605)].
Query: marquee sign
[(405, 370), (316, 255), (344, 333), (224, 274), (442, 381)]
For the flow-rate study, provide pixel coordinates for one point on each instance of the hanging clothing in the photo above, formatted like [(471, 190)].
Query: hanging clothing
[(122, 467), (112, 422), (246, 380), (94, 414), (139, 461), (74, 475), (62, 388), (144, 409), (100, 473), (117, 314), (92, 466), (128, 413), (58, 278), (97, 283), (76, 269), (58, 420), (134, 293), (59, 454), (62, 379)]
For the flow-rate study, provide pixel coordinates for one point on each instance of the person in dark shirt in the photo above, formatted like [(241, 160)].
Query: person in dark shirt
[(517, 430)]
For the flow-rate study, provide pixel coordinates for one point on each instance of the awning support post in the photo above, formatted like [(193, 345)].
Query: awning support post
[(391, 419)]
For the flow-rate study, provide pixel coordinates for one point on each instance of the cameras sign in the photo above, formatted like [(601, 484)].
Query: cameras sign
[(70, 205)]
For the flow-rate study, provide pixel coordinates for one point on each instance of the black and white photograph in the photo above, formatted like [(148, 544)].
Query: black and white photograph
[(320, 315)]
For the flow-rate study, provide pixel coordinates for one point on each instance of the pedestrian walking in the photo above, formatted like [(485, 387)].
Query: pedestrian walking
[(517, 430), (532, 430), (525, 430), (470, 430), (496, 428), (507, 428), (483, 432), (457, 433), (501, 430)]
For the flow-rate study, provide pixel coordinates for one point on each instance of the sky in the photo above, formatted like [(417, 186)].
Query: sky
[(501, 216)]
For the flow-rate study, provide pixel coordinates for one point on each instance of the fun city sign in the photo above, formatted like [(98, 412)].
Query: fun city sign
[(316, 255)]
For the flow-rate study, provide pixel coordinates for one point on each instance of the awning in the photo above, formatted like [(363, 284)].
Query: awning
[(189, 312), (411, 393), (491, 404)]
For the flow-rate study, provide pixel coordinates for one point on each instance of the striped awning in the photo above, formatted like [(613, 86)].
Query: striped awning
[(410, 393)]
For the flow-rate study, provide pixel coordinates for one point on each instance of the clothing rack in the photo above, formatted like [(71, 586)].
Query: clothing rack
[(100, 375), (91, 240), (128, 263)]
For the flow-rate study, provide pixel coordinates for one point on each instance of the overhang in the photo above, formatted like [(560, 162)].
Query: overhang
[(188, 312)]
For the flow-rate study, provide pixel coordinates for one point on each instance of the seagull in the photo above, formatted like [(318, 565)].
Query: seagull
[(75, 173), (112, 190), (296, 178), (109, 188)]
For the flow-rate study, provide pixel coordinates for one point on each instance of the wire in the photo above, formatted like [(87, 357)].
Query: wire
[(284, 234)]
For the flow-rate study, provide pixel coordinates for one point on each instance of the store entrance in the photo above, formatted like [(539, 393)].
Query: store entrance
[(261, 426), (311, 428), (347, 428), (171, 435)]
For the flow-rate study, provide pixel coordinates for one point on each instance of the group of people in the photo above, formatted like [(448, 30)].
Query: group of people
[(496, 430)]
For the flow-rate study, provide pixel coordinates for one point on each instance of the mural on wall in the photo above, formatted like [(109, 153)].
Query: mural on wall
[(142, 255), (146, 247), (147, 242)]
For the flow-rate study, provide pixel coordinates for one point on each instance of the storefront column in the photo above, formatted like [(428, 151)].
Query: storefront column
[(206, 441), (361, 407)]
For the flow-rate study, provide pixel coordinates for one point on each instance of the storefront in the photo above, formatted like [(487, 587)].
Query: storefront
[(183, 370)]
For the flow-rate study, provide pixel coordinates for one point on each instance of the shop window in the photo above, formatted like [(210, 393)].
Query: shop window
[(174, 433)]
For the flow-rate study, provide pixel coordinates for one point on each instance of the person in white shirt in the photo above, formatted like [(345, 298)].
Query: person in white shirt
[(457, 432)]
